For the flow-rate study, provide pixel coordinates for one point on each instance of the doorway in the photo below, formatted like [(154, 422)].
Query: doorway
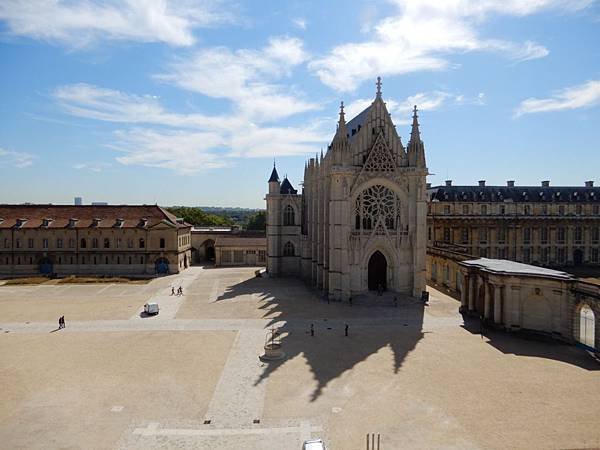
[(377, 271), (578, 257)]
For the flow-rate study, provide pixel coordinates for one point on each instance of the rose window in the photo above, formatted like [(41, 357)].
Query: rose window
[(377, 204)]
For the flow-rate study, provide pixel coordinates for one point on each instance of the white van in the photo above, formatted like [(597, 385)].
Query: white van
[(314, 444), (151, 308)]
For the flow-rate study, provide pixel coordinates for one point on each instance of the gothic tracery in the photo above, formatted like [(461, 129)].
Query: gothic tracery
[(377, 204)]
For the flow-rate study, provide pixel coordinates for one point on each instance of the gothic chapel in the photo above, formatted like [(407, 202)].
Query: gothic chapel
[(359, 223)]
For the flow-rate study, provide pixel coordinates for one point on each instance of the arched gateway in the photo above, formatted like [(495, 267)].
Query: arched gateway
[(377, 271)]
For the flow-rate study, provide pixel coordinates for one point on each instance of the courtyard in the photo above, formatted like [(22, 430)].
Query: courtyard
[(191, 377)]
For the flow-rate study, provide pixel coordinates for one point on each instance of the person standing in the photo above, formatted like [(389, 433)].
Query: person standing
[(60, 322), (346, 330), (172, 290), (312, 329)]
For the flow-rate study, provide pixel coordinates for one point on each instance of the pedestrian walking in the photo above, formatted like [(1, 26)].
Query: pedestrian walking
[(60, 322), (346, 330), (62, 319), (172, 290), (481, 326), (312, 329)]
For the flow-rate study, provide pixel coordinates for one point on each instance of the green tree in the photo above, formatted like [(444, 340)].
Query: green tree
[(199, 218), (257, 221)]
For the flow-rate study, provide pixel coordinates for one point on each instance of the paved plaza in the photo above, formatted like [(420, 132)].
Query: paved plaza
[(191, 377)]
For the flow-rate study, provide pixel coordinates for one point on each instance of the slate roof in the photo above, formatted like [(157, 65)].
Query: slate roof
[(274, 175), (287, 188), (516, 194), (110, 216), (503, 266), (357, 123)]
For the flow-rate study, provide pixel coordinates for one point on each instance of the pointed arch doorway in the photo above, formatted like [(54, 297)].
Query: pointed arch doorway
[(377, 271)]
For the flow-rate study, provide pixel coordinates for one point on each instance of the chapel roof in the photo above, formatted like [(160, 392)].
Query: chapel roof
[(287, 188), (354, 125)]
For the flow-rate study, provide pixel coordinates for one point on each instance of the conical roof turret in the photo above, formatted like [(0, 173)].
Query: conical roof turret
[(274, 175)]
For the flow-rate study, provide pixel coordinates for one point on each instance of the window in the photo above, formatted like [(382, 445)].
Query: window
[(6, 243), (141, 260), (429, 233), (446, 209), (238, 256), (502, 209), (71, 243), (595, 255), (578, 210), (561, 210), (30, 260), (483, 235), (501, 253), (288, 249), (118, 243), (465, 209), (59, 243), (95, 261), (483, 209), (447, 235), (483, 252), (60, 260), (545, 209), (106, 243), (376, 204), (129, 243), (226, 256), (30, 243), (544, 235), (464, 236), (44, 243), (130, 260), (18, 242), (94, 243), (596, 210), (560, 235), (595, 235), (560, 255), (162, 242), (118, 260), (288, 216), (106, 260), (578, 235), (83, 260), (526, 255), (544, 255), (526, 235), (71, 260), (261, 256), (527, 210), (142, 243), (83, 243)]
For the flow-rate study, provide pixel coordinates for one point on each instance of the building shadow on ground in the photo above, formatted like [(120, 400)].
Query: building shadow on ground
[(291, 308), (532, 344)]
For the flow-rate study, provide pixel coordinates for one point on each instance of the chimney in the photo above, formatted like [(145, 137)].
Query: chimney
[(428, 185), (448, 182), (481, 183), (510, 183), (589, 183), (545, 183)]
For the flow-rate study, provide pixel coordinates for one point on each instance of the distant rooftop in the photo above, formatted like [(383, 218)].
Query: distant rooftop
[(503, 266)]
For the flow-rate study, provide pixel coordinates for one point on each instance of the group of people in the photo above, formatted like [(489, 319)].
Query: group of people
[(179, 290)]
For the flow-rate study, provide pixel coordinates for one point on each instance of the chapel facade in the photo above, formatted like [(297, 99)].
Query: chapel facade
[(359, 223)]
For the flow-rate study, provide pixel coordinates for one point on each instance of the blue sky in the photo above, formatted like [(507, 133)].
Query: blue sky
[(188, 102)]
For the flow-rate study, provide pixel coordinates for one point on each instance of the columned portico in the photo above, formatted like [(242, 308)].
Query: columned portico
[(497, 304)]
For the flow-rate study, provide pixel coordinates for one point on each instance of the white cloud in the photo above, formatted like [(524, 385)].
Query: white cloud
[(402, 110), (94, 166), (15, 159), (245, 77), (191, 142), (80, 23), (573, 97), (300, 23), (421, 36)]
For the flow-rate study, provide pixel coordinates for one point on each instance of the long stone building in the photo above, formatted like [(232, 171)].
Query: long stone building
[(553, 226), (359, 223), (94, 240)]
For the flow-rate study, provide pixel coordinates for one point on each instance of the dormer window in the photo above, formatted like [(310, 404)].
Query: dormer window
[(96, 222), (46, 222), (73, 222), (119, 223), (21, 222), (143, 222)]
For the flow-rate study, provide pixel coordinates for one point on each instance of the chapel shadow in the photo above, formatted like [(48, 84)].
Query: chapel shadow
[(533, 345), (291, 307)]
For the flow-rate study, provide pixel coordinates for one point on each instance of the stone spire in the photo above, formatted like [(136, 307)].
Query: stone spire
[(378, 84), (274, 174), (415, 134)]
